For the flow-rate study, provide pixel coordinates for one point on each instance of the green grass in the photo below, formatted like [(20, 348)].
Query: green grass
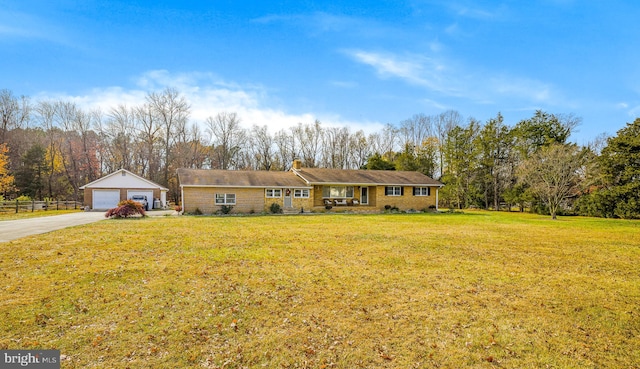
[(12, 215), (478, 290)]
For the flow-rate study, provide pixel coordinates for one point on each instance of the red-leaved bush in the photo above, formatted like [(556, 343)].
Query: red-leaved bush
[(125, 209)]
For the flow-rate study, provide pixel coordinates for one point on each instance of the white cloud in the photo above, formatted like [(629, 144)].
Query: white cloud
[(415, 69), (525, 88), (26, 26), (452, 79), (344, 84), (634, 112), (209, 95)]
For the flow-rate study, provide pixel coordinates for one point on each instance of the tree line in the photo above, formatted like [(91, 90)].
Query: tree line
[(50, 148)]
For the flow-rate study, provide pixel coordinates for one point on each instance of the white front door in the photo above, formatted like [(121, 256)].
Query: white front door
[(364, 195), (287, 198)]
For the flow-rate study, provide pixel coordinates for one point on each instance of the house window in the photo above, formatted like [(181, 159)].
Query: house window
[(393, 191), (274, 192), (225, 199), (337, 191), (301, 192), (422, 191)]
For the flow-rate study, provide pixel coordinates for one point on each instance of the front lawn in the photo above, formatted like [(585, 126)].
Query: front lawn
[(477, 290)]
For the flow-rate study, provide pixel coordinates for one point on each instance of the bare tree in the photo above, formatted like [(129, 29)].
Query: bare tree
[(148, 139), (119, 133), (172, 112), (415, 130), (444, 124), (192, 149), (360, 150), (554, 174), (228, 139), (286, 151), (309, 138), (336, 147), (46, 118), (385, 142), (14, 112), (68, 115), (263, 150)]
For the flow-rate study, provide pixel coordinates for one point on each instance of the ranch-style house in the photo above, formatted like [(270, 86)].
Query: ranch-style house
[(305, 189)]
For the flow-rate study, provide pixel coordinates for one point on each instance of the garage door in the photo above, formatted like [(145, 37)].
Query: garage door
[(105, 199), (148, 194)]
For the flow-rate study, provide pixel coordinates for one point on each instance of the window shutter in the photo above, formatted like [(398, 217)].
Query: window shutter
[(428, 191), (401, 190)]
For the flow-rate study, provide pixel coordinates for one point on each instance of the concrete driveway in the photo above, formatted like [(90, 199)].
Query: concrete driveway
[(14, 229)]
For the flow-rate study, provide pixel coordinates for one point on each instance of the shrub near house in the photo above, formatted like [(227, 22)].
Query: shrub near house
[(126, 209)]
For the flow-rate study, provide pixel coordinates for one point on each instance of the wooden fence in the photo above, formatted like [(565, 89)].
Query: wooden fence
[(31, 206)]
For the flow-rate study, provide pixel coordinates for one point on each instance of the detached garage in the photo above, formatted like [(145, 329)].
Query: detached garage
[(106, 192)]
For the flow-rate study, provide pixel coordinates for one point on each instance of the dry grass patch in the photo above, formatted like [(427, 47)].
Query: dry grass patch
[(330, 291)]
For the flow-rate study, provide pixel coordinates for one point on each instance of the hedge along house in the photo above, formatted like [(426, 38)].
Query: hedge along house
[(373, 189), (304, 189), (207, 191), (106, 192)]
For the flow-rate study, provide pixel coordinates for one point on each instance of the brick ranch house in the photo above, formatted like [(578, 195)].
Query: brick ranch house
[(305, 189)]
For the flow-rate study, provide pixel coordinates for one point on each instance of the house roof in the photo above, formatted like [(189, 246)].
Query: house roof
[(237, 178), (320, 176), (123, 178)]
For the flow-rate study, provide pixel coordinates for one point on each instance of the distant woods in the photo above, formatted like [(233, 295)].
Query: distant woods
[(52, 147)]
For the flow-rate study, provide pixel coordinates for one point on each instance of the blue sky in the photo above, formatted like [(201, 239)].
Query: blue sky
[(350, 63)]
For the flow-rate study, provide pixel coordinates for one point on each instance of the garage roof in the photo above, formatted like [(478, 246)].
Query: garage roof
[(123, 179)]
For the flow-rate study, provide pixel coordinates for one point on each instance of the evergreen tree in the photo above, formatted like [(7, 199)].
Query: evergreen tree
[(31, 176), (377, 162), (619, 196)]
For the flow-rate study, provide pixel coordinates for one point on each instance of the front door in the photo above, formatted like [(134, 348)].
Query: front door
[(364, 195), (287, 198)]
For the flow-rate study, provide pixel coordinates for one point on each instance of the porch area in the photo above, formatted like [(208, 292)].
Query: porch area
[(351, 197)]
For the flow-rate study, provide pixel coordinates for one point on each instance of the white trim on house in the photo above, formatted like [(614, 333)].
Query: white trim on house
[(232, 186), (120, 171)]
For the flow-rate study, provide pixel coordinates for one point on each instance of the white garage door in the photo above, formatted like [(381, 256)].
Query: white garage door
[(148, 194), (105, 199)]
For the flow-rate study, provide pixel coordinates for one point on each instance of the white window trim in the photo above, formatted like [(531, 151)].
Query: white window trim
[(422, 189), (399, 188), (225, 198), (273, 191), (349, 192), (301, 191)]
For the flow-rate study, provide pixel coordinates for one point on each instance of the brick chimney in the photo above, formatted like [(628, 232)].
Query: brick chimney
[(297, 164)]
